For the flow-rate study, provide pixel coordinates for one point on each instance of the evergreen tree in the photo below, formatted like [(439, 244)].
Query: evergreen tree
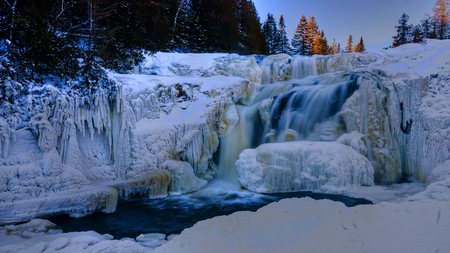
[(349, 48), (417, 34), (317, 45), (299, 41), (360, 47), (403, 30), (442, 17), (284, 41), (338, 51), (311, 32), (252, 37), (395, 42), (426, 26), (271, 34), (333, 48)]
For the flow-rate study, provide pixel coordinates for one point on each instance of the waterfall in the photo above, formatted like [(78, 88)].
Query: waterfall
[(304, 105), (231, 145), (297, 114)]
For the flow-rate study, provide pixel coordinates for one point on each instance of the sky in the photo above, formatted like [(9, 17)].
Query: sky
[(375, 20)]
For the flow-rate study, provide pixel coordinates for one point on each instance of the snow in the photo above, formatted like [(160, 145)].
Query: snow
[(307, 225), (41, 236), (65, 153), (293, 166)]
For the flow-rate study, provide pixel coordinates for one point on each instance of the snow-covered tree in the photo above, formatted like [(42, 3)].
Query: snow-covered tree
[(271, 34), (284, 41)]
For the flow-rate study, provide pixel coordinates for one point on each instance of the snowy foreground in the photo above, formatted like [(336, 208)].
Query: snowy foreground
[(388, 118)]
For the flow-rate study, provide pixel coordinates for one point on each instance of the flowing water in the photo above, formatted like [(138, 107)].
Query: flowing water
[(304, 107), (174, 214)]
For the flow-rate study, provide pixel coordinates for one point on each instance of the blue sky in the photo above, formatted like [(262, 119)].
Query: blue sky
[(375, 20)]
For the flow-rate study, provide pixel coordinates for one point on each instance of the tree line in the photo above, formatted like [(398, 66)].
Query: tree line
[(430, 27), (308, 39), (74, 41)]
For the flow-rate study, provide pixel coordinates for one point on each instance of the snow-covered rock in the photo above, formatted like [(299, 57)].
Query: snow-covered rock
[(41, 236), (293, 166)]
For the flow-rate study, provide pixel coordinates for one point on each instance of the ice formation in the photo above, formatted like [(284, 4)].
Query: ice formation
[(371, 117), (302, 165)]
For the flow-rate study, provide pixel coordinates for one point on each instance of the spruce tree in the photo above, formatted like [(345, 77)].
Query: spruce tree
[(403, 30), (311, 32), (426, 26), (333, 48), (360, 47), (442, 17), (284, 41), (317, 45), (349, 48), (417, 34), (271, 34), (300, 37), (252, 37)]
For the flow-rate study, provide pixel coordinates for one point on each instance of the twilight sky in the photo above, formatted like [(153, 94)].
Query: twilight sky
[(375, 20)]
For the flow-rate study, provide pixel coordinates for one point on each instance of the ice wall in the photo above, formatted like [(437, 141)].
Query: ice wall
[(151, 135)]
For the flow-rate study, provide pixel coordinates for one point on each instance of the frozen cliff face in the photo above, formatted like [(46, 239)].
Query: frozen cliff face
[(396, 118), (373, 110), (153, 135), (156, 133)]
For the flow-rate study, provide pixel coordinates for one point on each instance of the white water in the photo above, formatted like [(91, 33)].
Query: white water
[(304, 108)]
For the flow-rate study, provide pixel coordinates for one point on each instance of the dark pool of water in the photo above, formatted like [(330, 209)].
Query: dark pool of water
[(139, 215)]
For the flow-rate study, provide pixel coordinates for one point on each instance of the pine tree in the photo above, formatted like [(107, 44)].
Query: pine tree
[(403, 30), (300, 40), (323, 44), (271, 34), (417, 34), (338, 51), (395, 42), (333, 48), (284, 41), (360, 47), (349, 48), (311, 32), (426, 26), (442, 17), (317, 45), (252, 37)]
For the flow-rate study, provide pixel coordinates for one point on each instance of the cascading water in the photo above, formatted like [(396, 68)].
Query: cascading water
[(304, 108), (308, 111)]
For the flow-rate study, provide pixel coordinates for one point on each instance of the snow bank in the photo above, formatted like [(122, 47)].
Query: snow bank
[(204, 65), (41, 236), (308, 225), (291, 166)]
